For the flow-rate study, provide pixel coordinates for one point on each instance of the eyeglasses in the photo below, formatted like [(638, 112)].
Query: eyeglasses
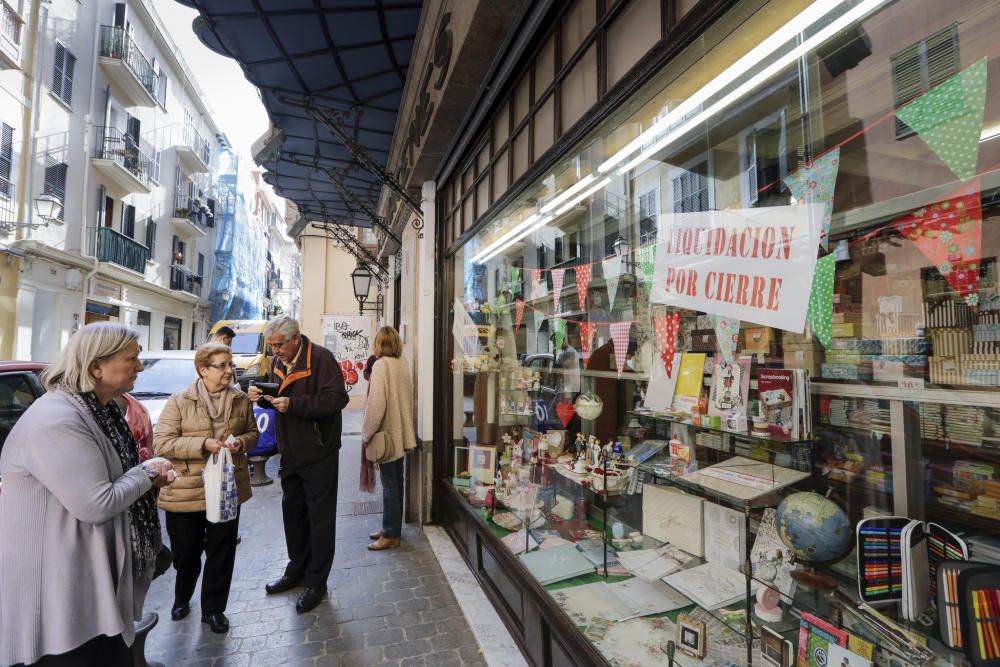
[(222, 367)]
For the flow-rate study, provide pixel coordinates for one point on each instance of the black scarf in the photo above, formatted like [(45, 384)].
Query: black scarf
[(144, 521)]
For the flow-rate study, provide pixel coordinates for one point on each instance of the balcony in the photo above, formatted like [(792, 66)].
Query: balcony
[(8, 206), (115, 248), (11, 30), (193, 151), (183, 279), (188, 218), (118, 158), (128, 70)]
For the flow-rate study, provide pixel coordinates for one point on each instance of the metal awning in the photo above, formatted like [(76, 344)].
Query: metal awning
[(331, 76)]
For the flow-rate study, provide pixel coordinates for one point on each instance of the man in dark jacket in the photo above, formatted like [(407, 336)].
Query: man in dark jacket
[(308, 406)]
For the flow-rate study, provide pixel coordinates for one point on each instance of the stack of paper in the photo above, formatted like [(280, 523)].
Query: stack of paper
[(745, 478), (654, 564), (520, 541), (619, 601), (711, 586), (556, 564)]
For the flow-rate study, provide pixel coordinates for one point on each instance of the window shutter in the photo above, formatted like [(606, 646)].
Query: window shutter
[(128, 221), (57, 70), (69, 66), (201, 264), (942, 55), (923, 65), (151, 236), (55, 181), (6, 158)]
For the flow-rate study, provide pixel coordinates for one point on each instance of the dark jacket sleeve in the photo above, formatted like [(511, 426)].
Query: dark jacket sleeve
[(330, 396)]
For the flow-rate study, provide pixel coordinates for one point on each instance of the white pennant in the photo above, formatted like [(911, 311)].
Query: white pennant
[(612, 273)]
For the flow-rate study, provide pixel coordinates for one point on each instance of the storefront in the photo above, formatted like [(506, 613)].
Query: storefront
[(719, 324)]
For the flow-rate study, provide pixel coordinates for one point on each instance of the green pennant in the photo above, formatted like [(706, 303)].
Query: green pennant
[(515, 278), (949, 118), (647, 262), (558, 333), (820, 315)]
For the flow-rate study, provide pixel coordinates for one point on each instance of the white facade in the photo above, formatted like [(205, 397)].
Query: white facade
[(283, 255), (118, 130)]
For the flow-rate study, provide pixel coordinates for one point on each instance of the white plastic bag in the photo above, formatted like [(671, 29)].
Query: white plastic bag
[(219, 478)]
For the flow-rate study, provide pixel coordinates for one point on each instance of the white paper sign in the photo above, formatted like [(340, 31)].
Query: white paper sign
[(752, 264), (660, 392)]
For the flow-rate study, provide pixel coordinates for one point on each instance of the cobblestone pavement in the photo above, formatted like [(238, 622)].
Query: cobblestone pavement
[(385, 608)]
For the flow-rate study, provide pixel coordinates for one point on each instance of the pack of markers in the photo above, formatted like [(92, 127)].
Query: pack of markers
[(968, 597)]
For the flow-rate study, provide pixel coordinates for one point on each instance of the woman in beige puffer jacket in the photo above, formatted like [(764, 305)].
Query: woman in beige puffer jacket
[(194, 425)]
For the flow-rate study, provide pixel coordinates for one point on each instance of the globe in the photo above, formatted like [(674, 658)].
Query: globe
[(813, 527)]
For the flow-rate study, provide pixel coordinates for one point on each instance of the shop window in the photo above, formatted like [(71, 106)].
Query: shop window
[(922, 66), (692, 190), (62, 74), (763, 157), (142, 318), (544, 126), (647, 209), (576, 25), (500, 175), (55, 181), (579, 89), (545, 65), (634, 32), (6, 159), (171, 333)]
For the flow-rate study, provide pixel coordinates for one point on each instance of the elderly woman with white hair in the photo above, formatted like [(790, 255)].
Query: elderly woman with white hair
[(79, 531)]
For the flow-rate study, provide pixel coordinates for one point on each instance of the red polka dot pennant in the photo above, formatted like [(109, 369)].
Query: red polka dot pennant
[(582, 280), (558, 275), (518, 313), (666, 327), (950, 233), (587, 331), (536, 275), (619, 339)]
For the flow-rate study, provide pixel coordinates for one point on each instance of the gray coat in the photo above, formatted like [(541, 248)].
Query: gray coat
[(65, 545)]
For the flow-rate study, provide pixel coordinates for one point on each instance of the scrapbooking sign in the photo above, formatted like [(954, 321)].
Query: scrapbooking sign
[(349, 337), (751, 264)]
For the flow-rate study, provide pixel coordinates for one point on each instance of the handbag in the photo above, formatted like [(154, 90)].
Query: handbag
[(378, 448), (221, 495)]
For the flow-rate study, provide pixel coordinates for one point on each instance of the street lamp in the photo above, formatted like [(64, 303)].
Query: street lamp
[(48, 207), (623, 249), (362, 279)]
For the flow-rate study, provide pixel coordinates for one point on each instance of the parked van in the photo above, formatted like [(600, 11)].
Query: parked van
[(251, 354)]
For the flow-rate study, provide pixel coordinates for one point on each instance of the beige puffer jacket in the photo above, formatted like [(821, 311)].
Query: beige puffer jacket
[(180, 432)]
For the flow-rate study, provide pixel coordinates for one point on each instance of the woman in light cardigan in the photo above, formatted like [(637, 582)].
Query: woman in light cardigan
[(78, 523), (389, 409)]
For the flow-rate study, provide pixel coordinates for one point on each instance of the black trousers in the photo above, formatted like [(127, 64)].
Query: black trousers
[(101, 651), (192, 534), (309, 512)]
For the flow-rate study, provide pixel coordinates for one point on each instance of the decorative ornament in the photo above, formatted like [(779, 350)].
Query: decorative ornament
[(582, 280), (814, 184), (949, 118), (589, 406), (612, 274), (727, 332), (558, 333), (619, 340), (666, 327), (647, 262), (558, 275), (565, 412), (820, 314), (950, 234), (587, 332)]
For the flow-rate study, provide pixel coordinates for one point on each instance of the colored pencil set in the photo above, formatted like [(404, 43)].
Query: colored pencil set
[(986, 603), (940, 548), (969, 610), (882, 563), (949, 610)]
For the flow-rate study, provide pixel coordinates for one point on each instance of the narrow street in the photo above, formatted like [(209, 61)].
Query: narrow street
[(388, 608)]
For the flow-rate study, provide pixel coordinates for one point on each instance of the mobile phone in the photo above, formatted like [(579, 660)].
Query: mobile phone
[(266, 389)]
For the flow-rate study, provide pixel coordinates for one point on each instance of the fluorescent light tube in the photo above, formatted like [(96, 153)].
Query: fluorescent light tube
[(572, 190)]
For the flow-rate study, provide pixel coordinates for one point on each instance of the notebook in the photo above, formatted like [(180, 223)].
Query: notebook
[(556, 564)]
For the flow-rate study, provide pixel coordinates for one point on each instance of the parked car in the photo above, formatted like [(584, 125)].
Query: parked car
[(165, 373), (19, 388)]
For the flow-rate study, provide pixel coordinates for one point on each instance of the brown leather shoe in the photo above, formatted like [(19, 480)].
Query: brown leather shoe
[(384, 543), (376, 535)]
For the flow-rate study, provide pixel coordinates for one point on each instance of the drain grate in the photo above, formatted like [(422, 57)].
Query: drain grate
[(368, 507)]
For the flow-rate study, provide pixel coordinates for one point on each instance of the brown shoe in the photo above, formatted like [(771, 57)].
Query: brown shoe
[(376, 535), (384, 543)]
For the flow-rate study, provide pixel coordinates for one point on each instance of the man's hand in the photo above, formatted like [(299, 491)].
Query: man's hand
[(253, 393), (279, 403), (212, 445)]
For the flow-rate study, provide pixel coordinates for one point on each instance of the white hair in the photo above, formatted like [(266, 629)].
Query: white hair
[(94, 342), (282, 325)]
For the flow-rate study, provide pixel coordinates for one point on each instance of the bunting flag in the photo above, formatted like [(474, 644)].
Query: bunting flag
[(565, 412), (518, 313), (536, 275), (727, 332), (612, 273), (515, 278), (582, 280), (647, 262), (950, 234), (558, 333), (587, 332), (666, 327), (557, 284), (820, 313), (949, 118), (814, 184), (619, 341)]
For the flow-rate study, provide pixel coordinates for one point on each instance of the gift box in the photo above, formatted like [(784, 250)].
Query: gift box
[(703, 340), (906, 346), (848, 357), (847, 318), (980, 369), (947, 314), (847, 308), (846, 371), (863, 345), (841, 298), (986, 332), (759, 340), (806, 357), (843, 330), (892, 368), (945, 370), (792, 338), (951, 342)]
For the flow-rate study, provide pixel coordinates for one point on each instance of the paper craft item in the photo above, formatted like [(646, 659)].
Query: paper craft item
[(770, 558), (841, 656), (949, 118), (666, 327), (518, 313), (519, 542), (949, 233), (536, 276), (816, 636), (556, 564), (661, 388), (619, 339), (725, 536), (814, 184), (776, 390), (744, 479), (582, 280), (711, 586), (558, 275), (692, 374), (727, 332), (584, 602), (654, 564), (672, 516), (587, 332), (612, 274), (648, 597), (820, 313), (565, 411), (730, 389), (647, 262), (597, 629)]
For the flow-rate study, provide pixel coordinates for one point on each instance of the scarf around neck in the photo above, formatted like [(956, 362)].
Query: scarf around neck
[(217, 407)]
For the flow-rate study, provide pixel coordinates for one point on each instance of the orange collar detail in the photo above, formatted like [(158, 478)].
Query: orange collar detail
[(287, 380)]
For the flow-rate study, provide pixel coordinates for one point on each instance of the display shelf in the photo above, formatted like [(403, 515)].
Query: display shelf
[(991, 453), (673, 419), (982, 397), (961, 517)]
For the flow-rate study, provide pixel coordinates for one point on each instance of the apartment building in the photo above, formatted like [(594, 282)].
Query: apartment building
[(107, 120), (281, 295)]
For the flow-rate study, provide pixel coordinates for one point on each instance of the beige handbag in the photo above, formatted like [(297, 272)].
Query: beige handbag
[(379, 447)]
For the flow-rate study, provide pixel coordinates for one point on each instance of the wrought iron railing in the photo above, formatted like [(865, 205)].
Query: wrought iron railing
[(198, 144), (8, 206), (114, 247), (11, 24), (186, 206), (185, 280), (116, 43), (113, 144)]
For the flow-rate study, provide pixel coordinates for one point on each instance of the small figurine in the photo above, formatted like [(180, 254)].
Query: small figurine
[(536, 382), (499, 478), (580, 445)]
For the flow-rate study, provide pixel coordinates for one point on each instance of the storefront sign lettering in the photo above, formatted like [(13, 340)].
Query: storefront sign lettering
[(752, 264)]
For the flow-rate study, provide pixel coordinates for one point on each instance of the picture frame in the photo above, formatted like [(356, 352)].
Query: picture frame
[(775, 650), (691, 636), (461, 465), (482, 464)]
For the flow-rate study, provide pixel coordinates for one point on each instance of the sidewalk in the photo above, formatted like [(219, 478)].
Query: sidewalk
[(386, 608)]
